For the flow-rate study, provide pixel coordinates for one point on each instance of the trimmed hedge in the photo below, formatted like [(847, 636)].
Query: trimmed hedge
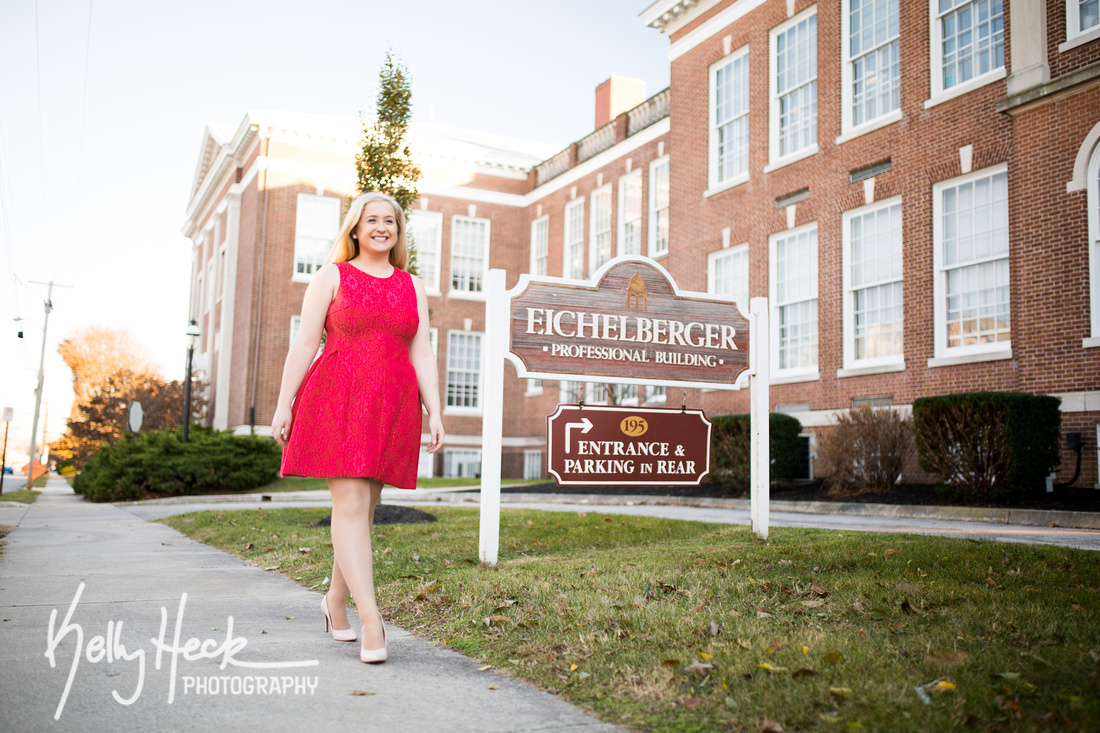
[(729, 449), (988, 445), (160, 464)]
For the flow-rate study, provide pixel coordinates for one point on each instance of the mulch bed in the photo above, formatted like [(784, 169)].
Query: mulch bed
[(1073, 499)]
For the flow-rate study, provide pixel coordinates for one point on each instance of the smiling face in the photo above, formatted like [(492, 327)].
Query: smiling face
[(378, 229)]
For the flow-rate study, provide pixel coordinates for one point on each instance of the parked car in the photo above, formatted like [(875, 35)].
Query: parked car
[(9, 470)]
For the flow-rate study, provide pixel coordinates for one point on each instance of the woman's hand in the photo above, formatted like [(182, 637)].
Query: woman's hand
[(435, 429), (280, 426)]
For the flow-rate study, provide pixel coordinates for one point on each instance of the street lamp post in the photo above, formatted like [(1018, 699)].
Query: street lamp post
[(192, 334)]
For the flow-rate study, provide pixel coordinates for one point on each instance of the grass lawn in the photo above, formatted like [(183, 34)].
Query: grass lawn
[(22, 495), (663, 625), (298, 483)]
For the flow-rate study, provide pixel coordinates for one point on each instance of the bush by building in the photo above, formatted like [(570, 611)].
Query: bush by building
[(988, 445), (866, 450), (160, 464), (729, 450)]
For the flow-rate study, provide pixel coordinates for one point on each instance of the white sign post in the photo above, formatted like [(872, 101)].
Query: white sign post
[(499, 323)]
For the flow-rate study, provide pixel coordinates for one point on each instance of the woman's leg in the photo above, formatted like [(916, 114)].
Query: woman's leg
[(353, 502), (338, 597)]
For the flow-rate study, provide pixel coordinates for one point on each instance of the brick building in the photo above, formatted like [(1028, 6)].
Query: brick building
[(912, 183)]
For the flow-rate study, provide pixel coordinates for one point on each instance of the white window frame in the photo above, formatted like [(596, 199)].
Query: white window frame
[(222, 267), (627, 217), (531, 457), (713, 260), (302, 238), (429, 257), (295, 324), (1093, 199), (449, 455), (476, 409), (211, 286), (655, 250), (802, 373), (938, 93), (944, 355), (775, 159), (534, 387), (1075, 34), (479, 292), (848, 127), (540, 246), (596, 229), (574, 210), (848, 305), (715, 181)]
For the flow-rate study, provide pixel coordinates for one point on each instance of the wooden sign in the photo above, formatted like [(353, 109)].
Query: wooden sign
[(633, 446), (631, 324)]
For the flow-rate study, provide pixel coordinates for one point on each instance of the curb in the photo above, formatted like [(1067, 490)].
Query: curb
[(988, 515)]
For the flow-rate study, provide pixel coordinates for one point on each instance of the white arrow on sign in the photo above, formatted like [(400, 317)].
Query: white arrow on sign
[(585, 424)]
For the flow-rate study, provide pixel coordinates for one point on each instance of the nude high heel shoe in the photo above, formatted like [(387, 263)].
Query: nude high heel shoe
[(337, 634), (374, 656)]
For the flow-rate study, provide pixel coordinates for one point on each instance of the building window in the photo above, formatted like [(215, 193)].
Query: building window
[(433, 339), (654, 395), (316, 223), (970, 233), (469, 254), (426, 228), (461, 463), (630, 213), (1094, 237), (729, 119), (658, 207), (873, 285), (590, 393), (872, 66), (793, 281), (295, 324), (534, 387), (968, 43), (728, 274), (794, 87), (600, 236), (532, 464), (573, 266), (540, 245), (463, 370), (1084, 16)]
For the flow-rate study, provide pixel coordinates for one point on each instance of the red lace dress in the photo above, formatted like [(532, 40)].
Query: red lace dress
[(357, 413)]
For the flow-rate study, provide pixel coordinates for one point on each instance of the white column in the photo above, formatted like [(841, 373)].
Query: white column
[(492, 415), (759, 437), (1028, 40)]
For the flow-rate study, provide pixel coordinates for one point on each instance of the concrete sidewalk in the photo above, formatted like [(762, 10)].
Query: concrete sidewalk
[(117, 574)]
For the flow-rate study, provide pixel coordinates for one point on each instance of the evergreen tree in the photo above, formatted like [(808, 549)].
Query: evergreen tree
[(385, 162)]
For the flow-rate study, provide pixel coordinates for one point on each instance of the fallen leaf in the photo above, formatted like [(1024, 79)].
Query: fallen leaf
[(572, 667), (583, 675), (833, 657), (857, 607), (697, 666), (800, 673), (730, 702), (1013, 706), (833, 716), (761, 613), (715, 629), (289, 618), (813, 604), (670, 663), (304, 549), (363, 693), (773, 670), (1010, 675), (991, 583), (946, 658), (770, 726), (496, 620), (805, 649), (484, 667), (817, 590), (494, 687), (889, 551), (693, 702), (842, 692)]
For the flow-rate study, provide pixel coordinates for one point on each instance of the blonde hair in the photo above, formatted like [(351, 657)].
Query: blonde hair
[(346, 248)]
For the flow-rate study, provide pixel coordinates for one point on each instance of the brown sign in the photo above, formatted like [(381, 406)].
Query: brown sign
[(627, 446), (630, 324)]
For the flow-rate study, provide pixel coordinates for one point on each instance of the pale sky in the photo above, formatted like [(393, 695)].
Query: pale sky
[(101, 122)]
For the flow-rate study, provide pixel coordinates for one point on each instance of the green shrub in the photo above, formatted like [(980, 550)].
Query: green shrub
[(159, 464), (729, 450), (866, 450), (988, 445)]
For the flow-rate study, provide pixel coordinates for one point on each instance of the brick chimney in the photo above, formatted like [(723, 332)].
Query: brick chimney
[(617, 95)]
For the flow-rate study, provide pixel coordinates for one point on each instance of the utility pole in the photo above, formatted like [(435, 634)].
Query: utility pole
[(41, 374)]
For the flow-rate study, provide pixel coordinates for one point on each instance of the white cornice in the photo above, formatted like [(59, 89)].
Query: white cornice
[(719, 22), (669, 16)]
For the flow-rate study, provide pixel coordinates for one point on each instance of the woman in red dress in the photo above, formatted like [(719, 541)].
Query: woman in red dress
[(353, 414)]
